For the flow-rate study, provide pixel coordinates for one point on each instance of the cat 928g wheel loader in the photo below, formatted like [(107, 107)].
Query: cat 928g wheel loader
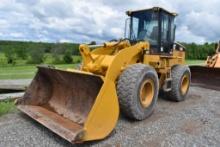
[(82, 105)]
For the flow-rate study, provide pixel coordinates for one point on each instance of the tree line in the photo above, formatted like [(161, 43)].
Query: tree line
[(199, 51), (34, 52)]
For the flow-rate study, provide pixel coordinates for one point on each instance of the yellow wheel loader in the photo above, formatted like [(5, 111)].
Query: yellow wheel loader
[(83, 105), (208, 76)]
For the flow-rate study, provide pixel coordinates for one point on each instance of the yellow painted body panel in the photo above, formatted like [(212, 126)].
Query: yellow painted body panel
[(108, 62), (104, 114), (217, 64), (163, 64)]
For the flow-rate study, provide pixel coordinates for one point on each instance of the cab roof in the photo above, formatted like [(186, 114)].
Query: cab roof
[(154, 9)]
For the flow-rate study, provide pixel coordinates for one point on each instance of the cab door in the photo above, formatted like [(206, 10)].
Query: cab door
[(166, 34)]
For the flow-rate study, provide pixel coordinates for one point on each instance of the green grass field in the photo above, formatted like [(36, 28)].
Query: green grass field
[(22, 70), (195, 62), (28, 71)]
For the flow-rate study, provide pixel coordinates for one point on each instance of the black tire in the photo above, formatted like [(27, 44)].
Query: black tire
[(177, 73), (130, 83)]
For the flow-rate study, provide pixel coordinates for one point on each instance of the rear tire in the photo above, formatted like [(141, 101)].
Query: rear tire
[(181, 79), (137, 90)]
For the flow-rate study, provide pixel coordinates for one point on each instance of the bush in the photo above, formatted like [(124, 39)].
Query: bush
[(77, 60), (21, 53), (56, 59), (67, 58), (56, 52), (36, 56), (10, 55)]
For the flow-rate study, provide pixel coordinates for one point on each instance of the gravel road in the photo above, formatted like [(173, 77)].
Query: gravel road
[(194, 122)]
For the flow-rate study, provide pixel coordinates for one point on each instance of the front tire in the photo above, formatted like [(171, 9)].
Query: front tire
[(137, 90)]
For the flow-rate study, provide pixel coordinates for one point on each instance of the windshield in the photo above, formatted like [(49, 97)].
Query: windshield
[(144, 26)]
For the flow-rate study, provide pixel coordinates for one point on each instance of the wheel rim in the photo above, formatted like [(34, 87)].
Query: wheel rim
[(146, 93), (184, 84)]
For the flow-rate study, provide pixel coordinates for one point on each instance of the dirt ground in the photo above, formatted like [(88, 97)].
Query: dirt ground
[(194, 122)]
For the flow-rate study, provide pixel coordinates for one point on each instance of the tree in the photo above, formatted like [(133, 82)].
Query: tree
[(56, 52), (37, 56), (67, 58), (21, 53), (10, 55)]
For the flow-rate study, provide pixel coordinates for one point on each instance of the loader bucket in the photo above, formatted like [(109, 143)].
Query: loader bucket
[(205, 77), (62, 100)]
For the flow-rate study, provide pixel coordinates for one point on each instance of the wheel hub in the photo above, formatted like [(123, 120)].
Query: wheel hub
[(146, 93), (184, 84)]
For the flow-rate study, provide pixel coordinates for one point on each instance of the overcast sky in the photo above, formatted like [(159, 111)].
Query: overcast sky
[(100, 20)]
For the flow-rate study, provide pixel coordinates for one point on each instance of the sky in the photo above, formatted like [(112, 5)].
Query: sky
[(101, 20)]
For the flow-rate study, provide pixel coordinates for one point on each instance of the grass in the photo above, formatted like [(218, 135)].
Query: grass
[(24, 71), (195, 62), (7, 107)]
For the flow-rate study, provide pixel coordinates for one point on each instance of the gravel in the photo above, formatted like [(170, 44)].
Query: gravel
[(194, 122)]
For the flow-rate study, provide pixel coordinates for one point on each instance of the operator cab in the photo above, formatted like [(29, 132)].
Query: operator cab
[(155, 25)]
